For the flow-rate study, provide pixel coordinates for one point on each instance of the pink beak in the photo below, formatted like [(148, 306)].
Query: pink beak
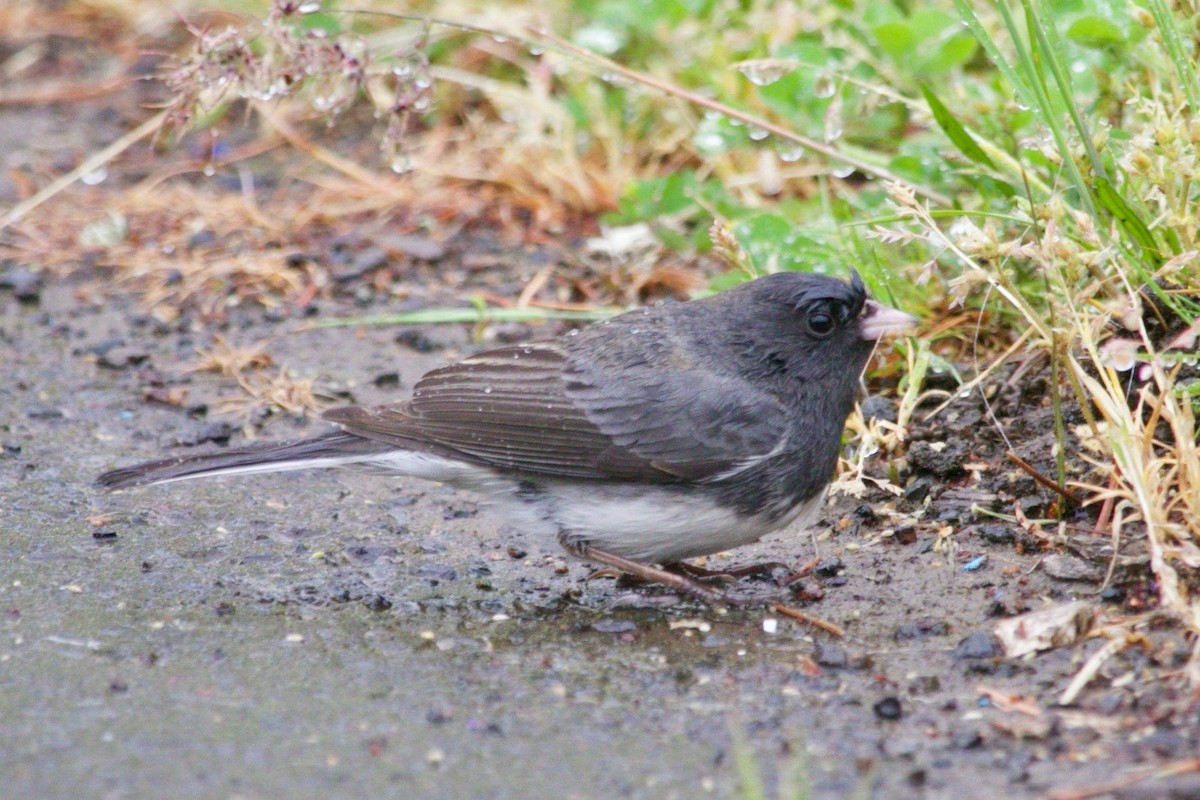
[(878, 321)]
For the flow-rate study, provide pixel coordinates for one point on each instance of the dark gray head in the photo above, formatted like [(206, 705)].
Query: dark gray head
[(806, 327)]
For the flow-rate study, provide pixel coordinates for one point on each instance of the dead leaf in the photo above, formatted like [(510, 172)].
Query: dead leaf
[(1046, 629)]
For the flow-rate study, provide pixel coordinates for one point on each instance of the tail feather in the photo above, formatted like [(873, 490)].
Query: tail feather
[(330, 450)]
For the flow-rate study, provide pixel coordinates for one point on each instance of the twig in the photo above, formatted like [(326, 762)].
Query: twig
[(89, 164), (1165, 771), (1041, 479), (66, 93), (1090, 668), (805, 568), (797, 614)]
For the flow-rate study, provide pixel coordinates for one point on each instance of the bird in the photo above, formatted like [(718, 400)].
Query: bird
[(658, 435)]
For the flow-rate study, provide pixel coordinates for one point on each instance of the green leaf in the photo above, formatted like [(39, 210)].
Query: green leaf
[(954, 129), (954, 52), (1127, 219), (897, 39), (1096, 32)]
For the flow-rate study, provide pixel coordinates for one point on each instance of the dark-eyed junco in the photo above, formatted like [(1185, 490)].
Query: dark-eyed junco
[(658, 435)]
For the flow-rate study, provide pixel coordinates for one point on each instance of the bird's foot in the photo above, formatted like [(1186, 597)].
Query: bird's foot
[(690, 586), (766, 569)]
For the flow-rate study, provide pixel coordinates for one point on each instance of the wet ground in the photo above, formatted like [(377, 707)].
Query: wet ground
[(342, 634)]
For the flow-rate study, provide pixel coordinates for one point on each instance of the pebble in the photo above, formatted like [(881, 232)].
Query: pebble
[(888, 708), (831, 655), (25, 284), (978, 644), (1070, 568)]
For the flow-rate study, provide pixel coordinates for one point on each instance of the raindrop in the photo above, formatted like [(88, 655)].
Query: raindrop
[(308, 8), (402, 163), (633, 330), (709, 141), (94, 177), (790, 151), (765, 71), (209, 170), (487, 390), (835, 126), (824, 86), (841, 171), (757, 134)]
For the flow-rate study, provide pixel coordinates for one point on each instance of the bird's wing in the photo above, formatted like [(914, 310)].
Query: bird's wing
[(526, 409)]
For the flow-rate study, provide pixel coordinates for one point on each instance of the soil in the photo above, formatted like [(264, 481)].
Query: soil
[(346, 634)]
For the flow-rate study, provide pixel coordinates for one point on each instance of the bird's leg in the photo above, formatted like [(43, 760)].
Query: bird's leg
[(686, 585), (680, 583)]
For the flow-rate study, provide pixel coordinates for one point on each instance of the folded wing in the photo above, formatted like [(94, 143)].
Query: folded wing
[(529, 409)]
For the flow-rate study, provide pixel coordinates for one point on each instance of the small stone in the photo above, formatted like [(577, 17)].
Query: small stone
[(921, 629), (377, 602), (943, 460), (202, 238), (996, 533), (363, 262), (831, 655), (1070, 568), (888, 708), (416, 340), (967, 740), (976, 645), (918, 490), (121, 357), (830, 567), (438, 572), (25, 284)]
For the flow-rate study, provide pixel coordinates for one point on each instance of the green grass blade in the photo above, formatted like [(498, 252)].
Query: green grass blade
[(1050, 48), (1127, 219), (954, 129), (1014, 79), (1172, 39), (442, 316)]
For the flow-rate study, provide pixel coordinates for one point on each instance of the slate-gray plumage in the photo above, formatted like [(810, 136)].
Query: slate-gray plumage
[(658, 435)]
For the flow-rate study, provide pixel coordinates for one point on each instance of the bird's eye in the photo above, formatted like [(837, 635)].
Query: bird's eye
[(820, 323)]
